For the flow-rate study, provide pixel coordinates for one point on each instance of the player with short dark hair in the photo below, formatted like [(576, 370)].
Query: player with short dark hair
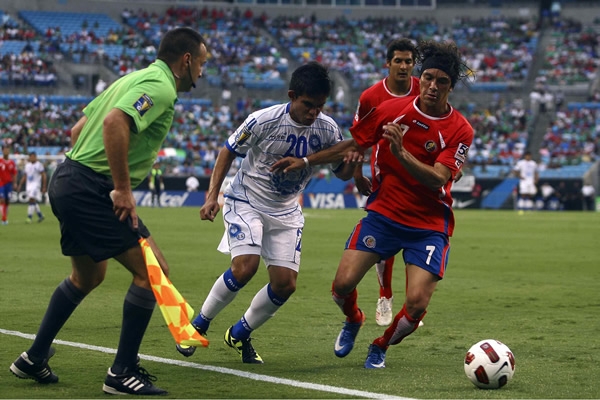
[(261, 211), (114, 147), (401, 57)]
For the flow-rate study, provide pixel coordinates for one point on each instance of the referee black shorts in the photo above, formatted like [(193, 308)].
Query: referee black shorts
[(80, 199)]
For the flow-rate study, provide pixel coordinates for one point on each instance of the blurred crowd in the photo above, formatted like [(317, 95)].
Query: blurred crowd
[(498, 49), (199, 131)]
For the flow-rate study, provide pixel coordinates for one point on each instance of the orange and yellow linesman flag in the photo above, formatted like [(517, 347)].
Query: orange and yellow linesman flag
[(175, 310)]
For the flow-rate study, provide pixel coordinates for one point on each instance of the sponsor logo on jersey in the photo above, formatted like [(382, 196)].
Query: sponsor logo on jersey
[(370, 241), (421, 124), (275, 137), (430, 146), (143, 104)]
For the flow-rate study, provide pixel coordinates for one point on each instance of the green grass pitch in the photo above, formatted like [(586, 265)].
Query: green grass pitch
[(531, 281)]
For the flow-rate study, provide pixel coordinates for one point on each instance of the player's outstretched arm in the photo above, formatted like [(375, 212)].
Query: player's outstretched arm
[(334, 154)]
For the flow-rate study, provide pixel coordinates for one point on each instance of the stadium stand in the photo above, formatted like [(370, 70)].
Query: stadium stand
[(515, 56)]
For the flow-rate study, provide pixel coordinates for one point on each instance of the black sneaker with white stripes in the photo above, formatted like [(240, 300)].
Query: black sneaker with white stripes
[(131, 381), (24, 368)]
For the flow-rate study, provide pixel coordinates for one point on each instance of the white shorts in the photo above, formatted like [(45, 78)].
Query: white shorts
[(34, 193), (527, 188), (277, 239)]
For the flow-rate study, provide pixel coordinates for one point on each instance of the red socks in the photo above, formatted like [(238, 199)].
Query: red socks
[(385, 287), (402, 326), (348, 305)]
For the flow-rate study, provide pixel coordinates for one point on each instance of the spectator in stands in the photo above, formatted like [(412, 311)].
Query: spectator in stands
[(340, 95), (114, 146), (536, 100), (526, 170), (555, 9), (401, 55), (261, 210)]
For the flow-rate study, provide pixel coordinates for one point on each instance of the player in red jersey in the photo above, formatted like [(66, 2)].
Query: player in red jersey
[(401, 56), (422, 143), (8, 177)]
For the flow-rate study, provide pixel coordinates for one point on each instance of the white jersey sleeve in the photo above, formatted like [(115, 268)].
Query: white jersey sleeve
[(265, 137)]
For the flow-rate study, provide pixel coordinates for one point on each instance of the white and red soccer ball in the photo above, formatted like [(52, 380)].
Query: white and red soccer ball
[(489, 364)]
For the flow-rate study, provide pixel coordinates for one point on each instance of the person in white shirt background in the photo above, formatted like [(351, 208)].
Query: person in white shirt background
[(526, 170), (35, 180)]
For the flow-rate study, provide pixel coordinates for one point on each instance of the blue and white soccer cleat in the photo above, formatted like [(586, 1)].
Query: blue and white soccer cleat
[(375, 357), (345, 340)]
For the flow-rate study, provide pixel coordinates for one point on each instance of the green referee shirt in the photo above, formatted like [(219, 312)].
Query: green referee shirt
[(148, 96)]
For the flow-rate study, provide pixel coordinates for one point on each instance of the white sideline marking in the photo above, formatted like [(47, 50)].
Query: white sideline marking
[(241, 374)]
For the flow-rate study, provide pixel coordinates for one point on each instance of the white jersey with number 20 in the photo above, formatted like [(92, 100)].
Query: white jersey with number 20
[(265, 137)]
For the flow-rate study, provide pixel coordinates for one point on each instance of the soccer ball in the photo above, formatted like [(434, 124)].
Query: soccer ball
[(489, 364)]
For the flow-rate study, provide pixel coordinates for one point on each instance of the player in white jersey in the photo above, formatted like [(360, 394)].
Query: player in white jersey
[(34, 178), (526, 170), (261, 211)]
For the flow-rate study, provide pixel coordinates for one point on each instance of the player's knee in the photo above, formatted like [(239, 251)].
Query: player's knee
[(416, 305), (87, 283), (342, 287), (283, 289), (142, 280), (243, 270)]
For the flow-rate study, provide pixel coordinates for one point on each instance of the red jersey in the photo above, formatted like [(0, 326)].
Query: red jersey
[(378, 93), (374, 96), (8, 170), (431, 140)]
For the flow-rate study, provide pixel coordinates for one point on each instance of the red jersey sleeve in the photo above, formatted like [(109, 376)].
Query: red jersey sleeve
[(368, 131), (455, 154)]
